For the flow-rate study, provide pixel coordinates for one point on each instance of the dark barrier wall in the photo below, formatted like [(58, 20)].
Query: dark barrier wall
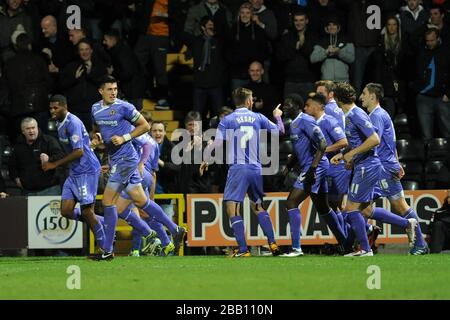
[(13, 223)]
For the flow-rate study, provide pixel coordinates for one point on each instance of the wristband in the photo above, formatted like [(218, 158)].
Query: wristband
[(127, 137)]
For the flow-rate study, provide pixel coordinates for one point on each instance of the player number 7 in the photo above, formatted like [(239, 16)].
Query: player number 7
[(248, 134)]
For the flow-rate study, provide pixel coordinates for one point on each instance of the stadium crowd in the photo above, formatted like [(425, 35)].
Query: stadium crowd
[(273, 47)]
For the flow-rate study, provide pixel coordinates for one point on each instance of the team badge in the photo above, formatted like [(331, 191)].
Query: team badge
[(75, 138), (113, 112)]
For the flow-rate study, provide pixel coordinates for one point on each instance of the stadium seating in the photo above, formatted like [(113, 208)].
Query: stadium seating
[(436, 175), (401, 124), (413, 150), (410, 185), (438, 149), (285, 150), (413, 170)]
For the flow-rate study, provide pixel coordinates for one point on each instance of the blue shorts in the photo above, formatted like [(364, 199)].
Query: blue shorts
[(338, 180), (81, 188), (125, 172), (365, 178), (147, 182), (241, 181), (389, 184), (321, 183)]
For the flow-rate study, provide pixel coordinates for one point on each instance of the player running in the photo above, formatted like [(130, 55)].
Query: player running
[(309, 148), (81, 185), (119, 122), (391, 171)]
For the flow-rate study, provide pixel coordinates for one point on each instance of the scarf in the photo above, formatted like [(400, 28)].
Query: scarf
[(206, 54)]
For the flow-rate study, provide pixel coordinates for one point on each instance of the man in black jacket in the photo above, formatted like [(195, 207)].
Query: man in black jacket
[(440, 228), (29, 83), (209, 69), (33, 148), (125, 68), (294, 51), (433, 86)]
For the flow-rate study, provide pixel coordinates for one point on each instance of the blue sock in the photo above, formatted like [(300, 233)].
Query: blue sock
[(341, 221), (110, 227), (333, 222), (295, 222), (359, 227), (153, 210), (159, 228), (135, 221), (349, 241), (136, 241), (266, 226), (99, 234), (420, 241), (385, 216), (237, 223)]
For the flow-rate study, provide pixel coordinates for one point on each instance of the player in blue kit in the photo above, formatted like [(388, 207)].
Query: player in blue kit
[(81, 185), (391, 171), (118, 123), (326, 88), (338, 176), (241, 129), (362, 155), (309, 148)]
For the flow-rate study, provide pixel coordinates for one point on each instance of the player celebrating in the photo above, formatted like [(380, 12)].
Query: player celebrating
[(362, 155), (241, 130), (81, 185), (391, 171), (119, 122), (309, 149)]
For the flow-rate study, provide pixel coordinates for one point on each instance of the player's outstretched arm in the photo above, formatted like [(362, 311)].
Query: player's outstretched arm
[(337, 146)]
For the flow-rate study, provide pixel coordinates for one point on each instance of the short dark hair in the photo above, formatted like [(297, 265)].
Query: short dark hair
[(106, 79), (113, 33), (86, 41), (328, 84), (300, 12), (192, 116), (147, 115), (23, 41), (345, 93), (160, 122), (432, 30), (439, 7), (225, 110), (318, 97), (376, 89), (240, 95), (295, 99), (60, 99), (204, 20)]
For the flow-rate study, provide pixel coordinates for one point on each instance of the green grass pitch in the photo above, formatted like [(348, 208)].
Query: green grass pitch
[(217, 277)]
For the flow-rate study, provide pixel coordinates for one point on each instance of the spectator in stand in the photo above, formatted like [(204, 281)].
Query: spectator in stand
[(412, 17), (433, 86), (248, 43), (166, 176), (189, 175), (214, 9), (12, 17), (31, 149), (76, 35), (79, 82), (283, 14), (209, 69), (294, 50), (153, 45), (320, 12), (364, 39), (29, 84), (437, 15), (265, 19), (335, 53), (125, 68), (265, 95), (390, 68), (55, 46), (3, 193)]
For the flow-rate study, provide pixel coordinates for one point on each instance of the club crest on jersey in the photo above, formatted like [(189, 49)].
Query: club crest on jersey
[(368, 124), (75, 138), (113, 112)]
